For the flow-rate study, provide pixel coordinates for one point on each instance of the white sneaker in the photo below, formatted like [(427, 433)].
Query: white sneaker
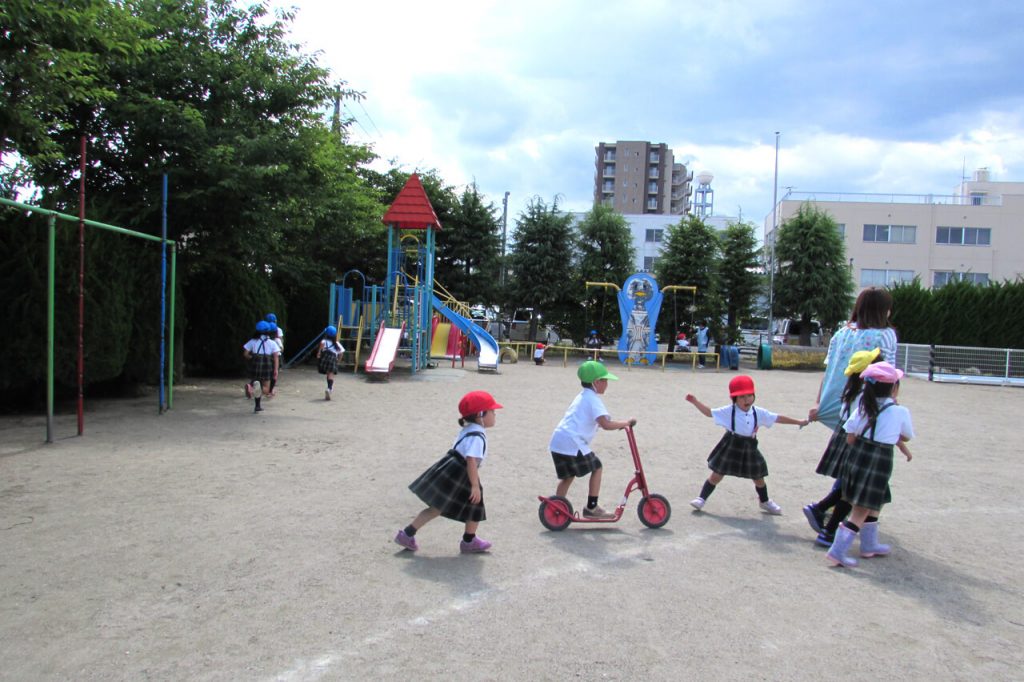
[(257, 389), (772, 508), (697, 503), (327, 394)]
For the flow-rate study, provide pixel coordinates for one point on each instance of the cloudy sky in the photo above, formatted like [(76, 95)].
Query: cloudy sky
[(893, 97)]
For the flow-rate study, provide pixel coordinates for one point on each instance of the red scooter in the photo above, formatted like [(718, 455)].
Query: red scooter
[(556, 512)]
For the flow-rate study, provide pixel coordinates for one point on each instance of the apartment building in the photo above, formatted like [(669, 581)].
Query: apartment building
[(975, 234), (638, 178)]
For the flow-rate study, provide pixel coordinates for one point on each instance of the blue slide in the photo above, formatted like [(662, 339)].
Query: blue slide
[(485, 343)]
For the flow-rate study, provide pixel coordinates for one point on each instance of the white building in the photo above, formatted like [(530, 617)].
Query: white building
[(975, 234)]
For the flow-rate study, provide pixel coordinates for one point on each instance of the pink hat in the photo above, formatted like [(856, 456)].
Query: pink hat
[(882, 372)]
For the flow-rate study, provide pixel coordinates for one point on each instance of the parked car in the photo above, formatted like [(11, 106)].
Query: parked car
[(787, 332)]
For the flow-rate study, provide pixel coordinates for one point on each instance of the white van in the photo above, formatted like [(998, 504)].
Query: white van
[(787, 332)]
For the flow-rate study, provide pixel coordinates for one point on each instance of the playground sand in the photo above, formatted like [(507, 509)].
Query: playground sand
[(211, 543)]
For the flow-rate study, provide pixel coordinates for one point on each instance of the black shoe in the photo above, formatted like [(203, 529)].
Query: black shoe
[(815, 517), (258, 409), (825, 539)]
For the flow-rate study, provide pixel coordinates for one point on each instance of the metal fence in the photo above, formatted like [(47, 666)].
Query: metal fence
[(962, 364)]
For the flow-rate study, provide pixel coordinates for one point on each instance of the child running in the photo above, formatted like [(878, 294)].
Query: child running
[(328, 354), (736, 453), (875, 427), (832, 459), (451, 486), (570, 442), (263, 355)]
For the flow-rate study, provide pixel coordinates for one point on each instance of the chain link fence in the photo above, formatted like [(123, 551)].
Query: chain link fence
[(962, 364)]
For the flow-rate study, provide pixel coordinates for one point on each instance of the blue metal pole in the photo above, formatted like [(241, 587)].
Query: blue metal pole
[(163, 291)]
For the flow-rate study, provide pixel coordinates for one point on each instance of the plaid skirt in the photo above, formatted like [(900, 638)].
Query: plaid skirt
[(328, 362), (261, 367), (571, 466), (866, 472), (738, 456), (445, 486), (835, 453)]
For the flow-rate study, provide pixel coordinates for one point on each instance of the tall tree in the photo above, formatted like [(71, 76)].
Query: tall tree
[(812, 277), (606, 254), (691, 256), (738, 277), (469, 250), (543, 276)]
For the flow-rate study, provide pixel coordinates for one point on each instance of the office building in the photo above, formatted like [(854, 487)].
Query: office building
[(637, 178), (974, 234)]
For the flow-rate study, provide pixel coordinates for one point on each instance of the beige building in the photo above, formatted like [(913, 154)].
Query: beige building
[(975, 234), (641, 177)]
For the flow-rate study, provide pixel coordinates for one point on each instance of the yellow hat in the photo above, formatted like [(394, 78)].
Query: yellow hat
[(860, 360)]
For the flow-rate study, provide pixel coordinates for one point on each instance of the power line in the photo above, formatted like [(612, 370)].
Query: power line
[(379, 133)]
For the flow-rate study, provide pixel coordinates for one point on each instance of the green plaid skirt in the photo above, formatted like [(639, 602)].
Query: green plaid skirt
[(738, 456), (261, 367), (328, 362), (445, 486), (835, 453), (866, 472), (572, 466)]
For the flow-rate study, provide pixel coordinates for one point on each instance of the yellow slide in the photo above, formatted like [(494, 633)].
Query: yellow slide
[(439, 346)]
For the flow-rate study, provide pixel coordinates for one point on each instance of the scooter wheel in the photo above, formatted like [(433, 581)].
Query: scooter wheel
[(555, 513), (654, 510)]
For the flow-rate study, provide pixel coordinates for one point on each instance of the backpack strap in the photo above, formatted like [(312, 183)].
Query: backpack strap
[(478, 434)]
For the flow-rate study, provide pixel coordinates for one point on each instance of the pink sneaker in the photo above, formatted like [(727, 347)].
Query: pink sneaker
[(478, 544), (406, 541), (248, 391)]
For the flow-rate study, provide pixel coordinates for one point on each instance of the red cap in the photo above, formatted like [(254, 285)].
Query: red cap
[(540, 345), (476, 402), (741, 385)]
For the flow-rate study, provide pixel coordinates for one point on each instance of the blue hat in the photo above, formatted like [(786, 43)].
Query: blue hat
[(331, 331), (262, 327), (271, 327), (271, 317), (593, 331)]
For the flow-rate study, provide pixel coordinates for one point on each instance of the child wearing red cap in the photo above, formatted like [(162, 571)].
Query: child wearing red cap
[(875, 428), (538, 354), (451, 486), (737, 453)]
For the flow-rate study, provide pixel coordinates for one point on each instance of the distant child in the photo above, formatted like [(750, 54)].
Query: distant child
[(538, 354), (570, 442), (737, 453), (832, 459), (876, 426), (702, 342), (328, 354), (451, 486), (272, 318), (273, 333), (263, 356)]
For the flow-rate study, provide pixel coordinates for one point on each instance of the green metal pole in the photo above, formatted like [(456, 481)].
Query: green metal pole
[(174, 297), (50, 299)]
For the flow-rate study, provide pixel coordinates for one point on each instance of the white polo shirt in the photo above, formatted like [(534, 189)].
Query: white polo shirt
[(579, 424)]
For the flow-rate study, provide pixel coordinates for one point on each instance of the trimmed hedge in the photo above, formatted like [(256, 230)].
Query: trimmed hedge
[(960, 314)]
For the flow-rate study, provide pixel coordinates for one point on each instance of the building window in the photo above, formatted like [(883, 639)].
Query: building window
[(884, 278), (652, 172), (977, 198), (944, 277), (893, 234), (654, 236), (841, 228), (609, 169), (609, 186), (652, 203), (652, 188), (964, 236), (649, 262), (655, 157)]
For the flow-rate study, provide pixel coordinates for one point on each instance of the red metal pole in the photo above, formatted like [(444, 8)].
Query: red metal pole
[(81, 293)]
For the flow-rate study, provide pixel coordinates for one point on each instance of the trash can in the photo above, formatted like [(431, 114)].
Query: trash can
[(764, 356)]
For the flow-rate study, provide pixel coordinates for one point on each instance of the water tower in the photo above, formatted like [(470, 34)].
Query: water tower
[(704, 197)]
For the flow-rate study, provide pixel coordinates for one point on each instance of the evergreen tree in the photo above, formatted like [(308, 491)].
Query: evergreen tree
[(543, 276), (469, 250), (738, 277), (691, 256), (812, 278), (606, 254)]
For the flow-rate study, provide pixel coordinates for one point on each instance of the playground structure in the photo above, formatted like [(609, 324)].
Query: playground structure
[(398, 319)]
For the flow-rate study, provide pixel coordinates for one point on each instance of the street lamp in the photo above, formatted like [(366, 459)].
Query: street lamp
[(504, 231), (771, 246)]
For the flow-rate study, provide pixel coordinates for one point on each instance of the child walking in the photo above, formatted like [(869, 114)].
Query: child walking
[(570, 442), (451, 486), (737, 453), (328, 354), (876, 426), (832, 459), (263, 355)]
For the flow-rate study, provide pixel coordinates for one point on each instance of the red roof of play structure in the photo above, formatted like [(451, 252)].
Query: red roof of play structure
[(411, 209)]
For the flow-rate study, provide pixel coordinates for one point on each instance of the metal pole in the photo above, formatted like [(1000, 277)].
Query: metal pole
[(81, 293), (50, 300), (504, 234), (771, 246), (161, 404), (170, 328)]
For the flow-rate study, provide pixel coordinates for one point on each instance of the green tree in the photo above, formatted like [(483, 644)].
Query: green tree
[(469, 250), (691, 256), (541, 263), (606, 254), (812, 279), (738, 277)]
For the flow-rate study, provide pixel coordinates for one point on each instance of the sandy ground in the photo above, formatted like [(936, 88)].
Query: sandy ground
[(211, 543)]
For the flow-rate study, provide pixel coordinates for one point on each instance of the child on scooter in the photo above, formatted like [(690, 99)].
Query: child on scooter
[(570, 442), (737, 453), (451, 486)]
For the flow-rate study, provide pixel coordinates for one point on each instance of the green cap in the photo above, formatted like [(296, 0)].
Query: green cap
[(592, 370)]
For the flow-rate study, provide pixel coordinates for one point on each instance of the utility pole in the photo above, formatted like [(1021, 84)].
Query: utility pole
[(504, 234), (771, 246)]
